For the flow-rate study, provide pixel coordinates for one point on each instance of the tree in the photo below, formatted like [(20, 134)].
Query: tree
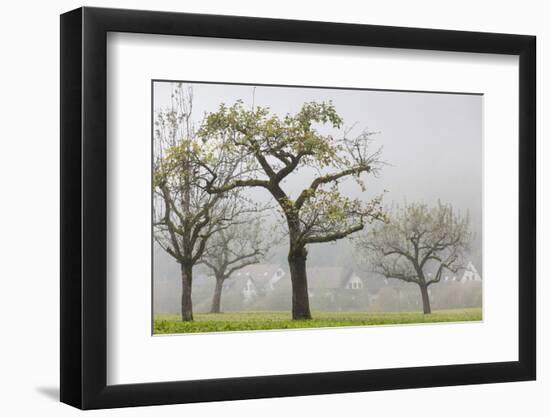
[(417, 244), (270, 148), (185, 216), (231, 249)]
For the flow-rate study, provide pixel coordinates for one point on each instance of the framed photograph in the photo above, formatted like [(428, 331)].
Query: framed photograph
[(257, 208)]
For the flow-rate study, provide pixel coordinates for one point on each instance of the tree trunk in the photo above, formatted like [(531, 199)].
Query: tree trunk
[(425, 299), (298, 277), (216, 300), (186, 284)]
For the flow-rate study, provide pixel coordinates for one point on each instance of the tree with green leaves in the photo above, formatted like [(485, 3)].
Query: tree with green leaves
[(268, 149), (185, 216), (417, 244)]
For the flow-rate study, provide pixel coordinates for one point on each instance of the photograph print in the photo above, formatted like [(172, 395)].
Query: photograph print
[(292, 207)]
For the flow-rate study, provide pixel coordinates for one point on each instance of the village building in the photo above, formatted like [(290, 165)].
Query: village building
[(470, 273), (260, 280), (267, 286), (255, 280)]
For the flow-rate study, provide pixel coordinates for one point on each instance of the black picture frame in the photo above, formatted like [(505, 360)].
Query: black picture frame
[(84, 207)]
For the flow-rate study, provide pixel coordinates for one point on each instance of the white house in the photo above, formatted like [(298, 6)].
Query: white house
[(249, 290), (255, 279), (354, 282), (470, 274), (259, 280), (276, 277)]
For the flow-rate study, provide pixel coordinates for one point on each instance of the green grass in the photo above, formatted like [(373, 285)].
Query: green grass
[(269, 320)]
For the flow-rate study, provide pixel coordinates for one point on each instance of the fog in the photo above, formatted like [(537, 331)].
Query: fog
[(432, 148)]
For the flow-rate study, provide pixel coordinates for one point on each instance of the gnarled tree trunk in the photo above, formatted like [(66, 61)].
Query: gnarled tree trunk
[(298, 276), (425, 298), (217, 298), (186, 284)]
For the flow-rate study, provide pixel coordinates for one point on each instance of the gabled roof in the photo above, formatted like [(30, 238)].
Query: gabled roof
[(262, 275), (470, 273), (258, 270)]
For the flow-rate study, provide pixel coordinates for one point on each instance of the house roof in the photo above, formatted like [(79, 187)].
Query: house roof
[(258, 271), (262, 275), (325, 277), (470, 273), (318, 277)]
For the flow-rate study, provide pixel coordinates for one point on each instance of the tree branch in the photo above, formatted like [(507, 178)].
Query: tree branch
[(317, 182), (236, 184), (334, 236)]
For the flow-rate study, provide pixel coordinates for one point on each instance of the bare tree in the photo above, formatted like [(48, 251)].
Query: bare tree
[(417, 244), (231, 249), (270, 148), (185, 216)]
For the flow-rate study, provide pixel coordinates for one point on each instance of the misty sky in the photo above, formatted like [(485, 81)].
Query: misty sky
[(432, 143)]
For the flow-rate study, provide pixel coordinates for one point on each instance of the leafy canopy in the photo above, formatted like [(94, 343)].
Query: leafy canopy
[(269, 147)]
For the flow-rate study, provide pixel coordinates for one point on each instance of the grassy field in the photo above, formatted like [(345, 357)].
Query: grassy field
[(269, 320)]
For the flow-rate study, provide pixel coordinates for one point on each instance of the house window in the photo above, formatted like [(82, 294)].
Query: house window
[(354, 284)]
